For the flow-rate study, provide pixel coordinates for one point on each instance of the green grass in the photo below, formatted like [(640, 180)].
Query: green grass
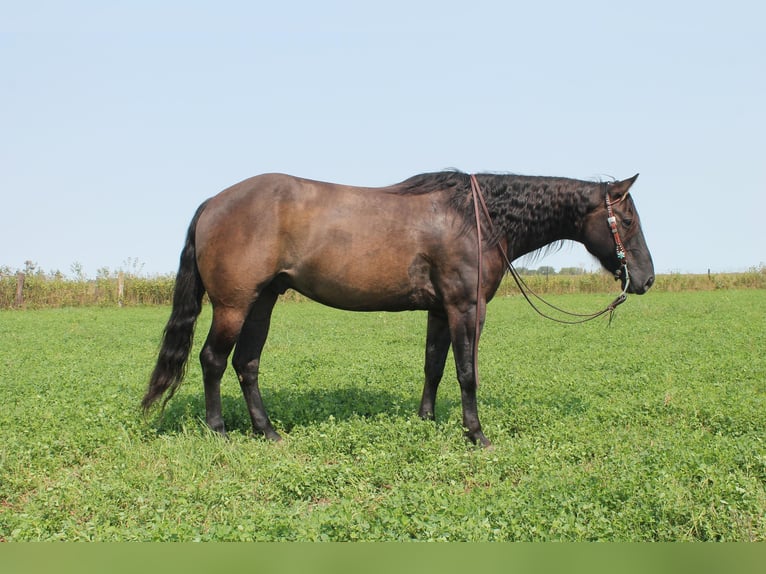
[(652, 429)]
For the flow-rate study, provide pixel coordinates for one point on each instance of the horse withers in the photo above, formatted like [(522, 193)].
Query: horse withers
[(410, 246)]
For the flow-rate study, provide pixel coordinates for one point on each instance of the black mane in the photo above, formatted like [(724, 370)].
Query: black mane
[(431, 182), (521, 206)]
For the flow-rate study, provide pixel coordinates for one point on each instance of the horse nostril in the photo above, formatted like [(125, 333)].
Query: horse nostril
[(649, 283)]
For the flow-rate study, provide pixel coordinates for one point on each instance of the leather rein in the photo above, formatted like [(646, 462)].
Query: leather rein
[(529, 294)]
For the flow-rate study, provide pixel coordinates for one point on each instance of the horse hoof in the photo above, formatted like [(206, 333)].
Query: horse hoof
[(479, 439), (272, 436)]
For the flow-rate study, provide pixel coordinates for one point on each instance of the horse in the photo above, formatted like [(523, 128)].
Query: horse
[(408, 246)]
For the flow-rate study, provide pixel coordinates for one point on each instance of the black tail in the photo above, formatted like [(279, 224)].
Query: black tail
[(179, 332)]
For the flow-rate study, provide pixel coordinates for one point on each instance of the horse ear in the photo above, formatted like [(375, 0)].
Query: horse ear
[(619, 189)]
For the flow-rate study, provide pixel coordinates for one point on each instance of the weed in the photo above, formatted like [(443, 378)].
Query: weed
[(651, 429)]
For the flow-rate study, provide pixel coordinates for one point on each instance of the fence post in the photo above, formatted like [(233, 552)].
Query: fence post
[(120, 288), (20, 288)]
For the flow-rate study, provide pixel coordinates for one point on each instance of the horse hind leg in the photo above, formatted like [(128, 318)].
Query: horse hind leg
[(224, 331), (247, 358)]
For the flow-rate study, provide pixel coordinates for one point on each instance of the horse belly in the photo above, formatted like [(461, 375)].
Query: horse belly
[(385, 280)]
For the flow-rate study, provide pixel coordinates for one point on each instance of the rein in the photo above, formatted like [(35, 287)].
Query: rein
[(526, 291)]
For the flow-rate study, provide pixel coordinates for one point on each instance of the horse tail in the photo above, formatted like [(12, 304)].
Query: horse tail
[(178, 336)]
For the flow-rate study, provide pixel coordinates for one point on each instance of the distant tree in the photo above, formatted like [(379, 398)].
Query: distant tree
[(571, 271), (546, 270)]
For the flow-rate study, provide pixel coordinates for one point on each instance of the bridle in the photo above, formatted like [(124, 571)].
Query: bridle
[(612, 221), (526, 291)]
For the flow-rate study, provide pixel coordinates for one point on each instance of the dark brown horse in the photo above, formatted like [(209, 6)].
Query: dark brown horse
[(411, 246)]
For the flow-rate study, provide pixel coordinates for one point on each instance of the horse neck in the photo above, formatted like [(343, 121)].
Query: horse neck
[(532, 212)]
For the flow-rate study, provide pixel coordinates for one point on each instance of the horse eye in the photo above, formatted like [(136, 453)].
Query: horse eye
[(627, 222)]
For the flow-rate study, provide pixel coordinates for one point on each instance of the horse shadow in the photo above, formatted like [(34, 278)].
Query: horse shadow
[(291, 408)]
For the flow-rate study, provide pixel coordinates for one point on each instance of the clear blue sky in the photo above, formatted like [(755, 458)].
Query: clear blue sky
[(118, 119)]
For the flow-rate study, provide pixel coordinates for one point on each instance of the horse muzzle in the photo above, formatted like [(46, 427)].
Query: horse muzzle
[(634, 283), (641, 288)]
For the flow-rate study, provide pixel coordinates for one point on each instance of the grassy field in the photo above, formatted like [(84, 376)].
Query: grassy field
[(651, 429)]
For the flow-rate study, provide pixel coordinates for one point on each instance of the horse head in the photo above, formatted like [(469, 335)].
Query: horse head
[(611, 231)]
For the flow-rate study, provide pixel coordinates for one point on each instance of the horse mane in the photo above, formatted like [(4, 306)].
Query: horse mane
[(520, 206), (432, 182)]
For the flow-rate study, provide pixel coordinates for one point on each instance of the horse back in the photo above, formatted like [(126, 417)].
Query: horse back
[(345, 246)]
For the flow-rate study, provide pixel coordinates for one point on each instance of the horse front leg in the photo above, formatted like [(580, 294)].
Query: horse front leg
[(437, 347), (464, 341)]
